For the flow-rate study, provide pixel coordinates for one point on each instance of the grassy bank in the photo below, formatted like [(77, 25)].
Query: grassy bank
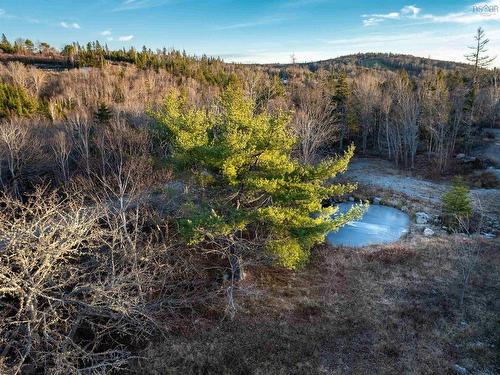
[(379, 310)]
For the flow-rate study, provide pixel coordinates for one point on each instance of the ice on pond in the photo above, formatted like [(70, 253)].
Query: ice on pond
[(379, 225)]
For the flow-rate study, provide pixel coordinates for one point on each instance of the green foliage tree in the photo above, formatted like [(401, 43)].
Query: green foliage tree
[(243, 162), (103, 114), (14, 101), (5, 45), (30, 46), (456, 204)]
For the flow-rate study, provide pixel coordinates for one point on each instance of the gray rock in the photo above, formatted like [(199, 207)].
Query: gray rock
[(351, 199), (460, 156), (422, 218), (428, 232), (377, 200), (459, 370)]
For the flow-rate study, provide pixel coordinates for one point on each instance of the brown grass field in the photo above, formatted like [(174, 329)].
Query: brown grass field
[(379, 310)]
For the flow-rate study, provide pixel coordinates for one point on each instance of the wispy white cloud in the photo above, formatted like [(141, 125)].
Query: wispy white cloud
[(5, 15), (371, 21), (388, 16), (259, 22), (139, 4), (410, 11), (66, 25), (110, 38), (125, 38), (479, 12)]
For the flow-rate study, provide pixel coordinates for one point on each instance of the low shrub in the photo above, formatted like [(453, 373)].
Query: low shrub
[(456, 205)]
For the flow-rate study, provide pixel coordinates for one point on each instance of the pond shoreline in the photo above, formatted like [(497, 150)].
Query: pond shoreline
[(380, 182), (379, 225)]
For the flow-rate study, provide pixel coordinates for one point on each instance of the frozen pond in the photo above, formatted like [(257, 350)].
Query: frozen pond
[(379, 225)]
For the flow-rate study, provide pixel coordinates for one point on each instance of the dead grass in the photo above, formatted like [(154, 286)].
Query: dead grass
[(381, 310)]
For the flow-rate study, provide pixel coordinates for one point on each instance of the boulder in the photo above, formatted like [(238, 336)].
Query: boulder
[(377, 200), (422, 218), (428, 232), (460, 156), (351, 199)]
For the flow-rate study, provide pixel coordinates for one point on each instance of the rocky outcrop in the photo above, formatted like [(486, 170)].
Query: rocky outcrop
[(422, 218)]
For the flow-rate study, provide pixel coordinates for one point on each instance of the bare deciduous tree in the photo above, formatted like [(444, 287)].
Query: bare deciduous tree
[(82, 128), (61, 147), (403, 128), (441, 116), (18, 147), (314, 125), (366, 93)]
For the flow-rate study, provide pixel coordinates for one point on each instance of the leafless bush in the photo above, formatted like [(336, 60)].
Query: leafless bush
[(82, 126), (41, 244), (77, 296), (19, 148), (62, 147), (18, 74)]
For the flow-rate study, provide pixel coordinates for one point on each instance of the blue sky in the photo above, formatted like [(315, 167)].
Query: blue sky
[(260, 30)]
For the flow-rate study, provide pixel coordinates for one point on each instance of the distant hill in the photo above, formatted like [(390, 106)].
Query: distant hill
[(384, 61), (388, 61)]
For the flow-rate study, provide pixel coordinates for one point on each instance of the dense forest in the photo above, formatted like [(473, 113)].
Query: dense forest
[(140, 187)]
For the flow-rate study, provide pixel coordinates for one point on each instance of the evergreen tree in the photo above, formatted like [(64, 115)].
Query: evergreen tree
[(15, 101), (103, 114), (457, 208), (480, 60), (243, 161)]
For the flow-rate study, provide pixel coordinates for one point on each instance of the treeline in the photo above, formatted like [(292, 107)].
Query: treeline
[(206, 69), (389, 114), (25, 46)]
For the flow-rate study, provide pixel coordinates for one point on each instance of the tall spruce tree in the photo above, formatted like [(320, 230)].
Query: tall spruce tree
[(243, 162), (480, 60)]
